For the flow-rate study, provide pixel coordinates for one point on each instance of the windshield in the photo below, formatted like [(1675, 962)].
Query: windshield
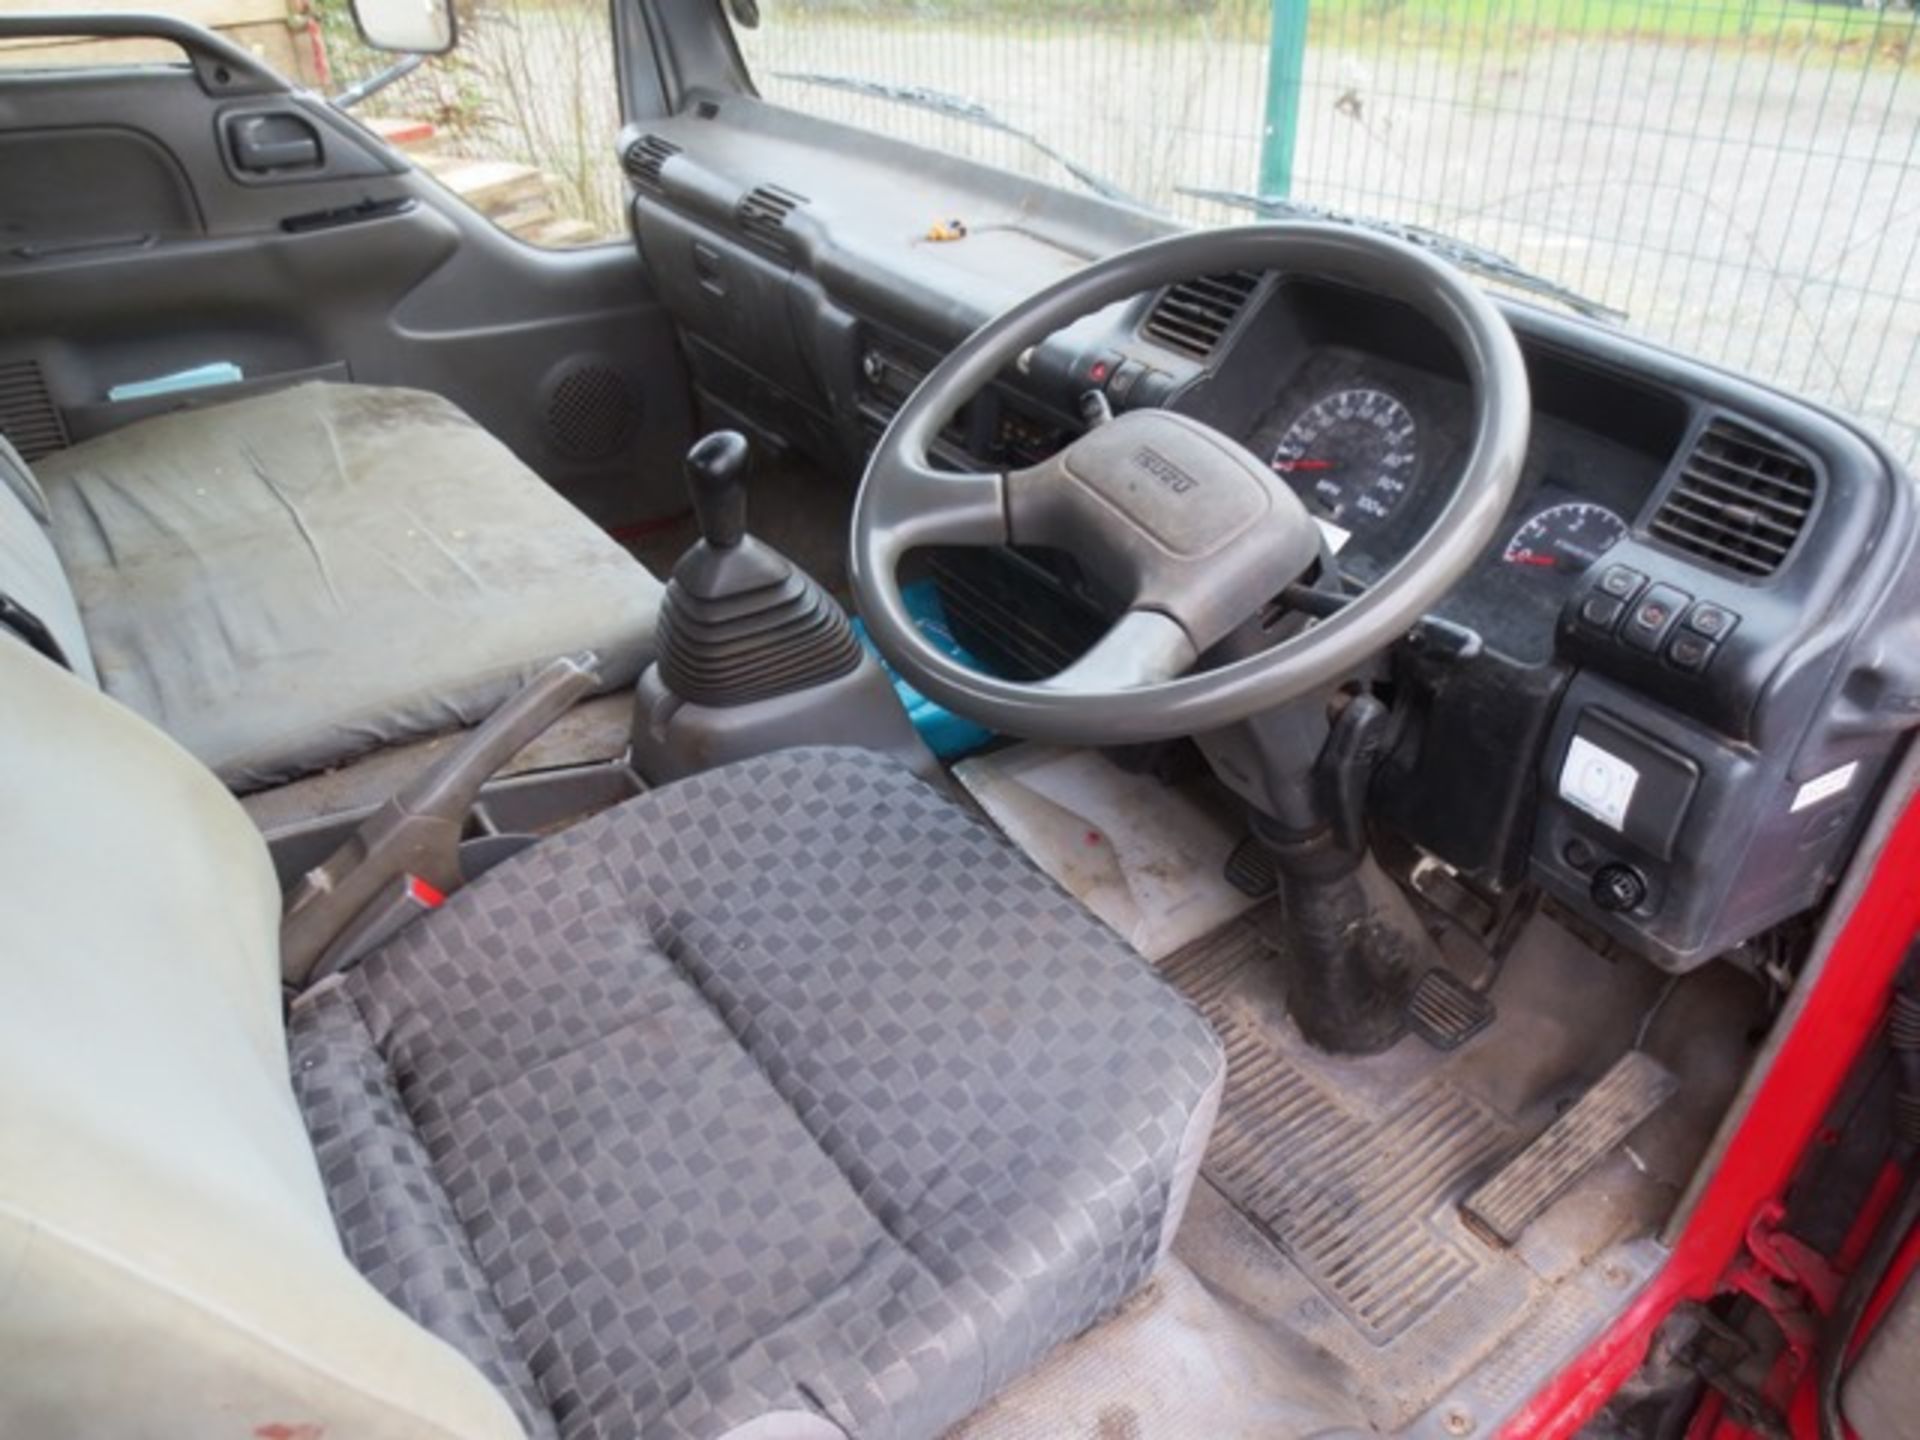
[(1737, 177)]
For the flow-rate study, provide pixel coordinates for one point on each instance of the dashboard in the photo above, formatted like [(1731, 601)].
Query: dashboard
[(1672, 684)]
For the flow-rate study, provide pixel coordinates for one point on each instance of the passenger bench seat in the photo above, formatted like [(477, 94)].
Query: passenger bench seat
[(288, 580)]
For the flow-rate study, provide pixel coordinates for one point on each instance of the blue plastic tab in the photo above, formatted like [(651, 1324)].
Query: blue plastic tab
[(948, 735), (218, 372)]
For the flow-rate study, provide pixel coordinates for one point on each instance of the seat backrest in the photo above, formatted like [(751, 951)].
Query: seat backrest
[(30, 571), (168, 1263)]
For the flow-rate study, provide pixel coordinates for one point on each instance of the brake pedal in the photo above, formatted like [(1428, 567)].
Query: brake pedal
[(1501, 1209), (1446, 1012), (1249, 868)]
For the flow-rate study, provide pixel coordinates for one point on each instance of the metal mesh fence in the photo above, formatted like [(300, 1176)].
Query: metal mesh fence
[(1739, 176)]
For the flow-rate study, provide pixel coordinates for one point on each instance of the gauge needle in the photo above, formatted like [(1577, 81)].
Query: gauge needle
[(1529, 557), (1287, 467)]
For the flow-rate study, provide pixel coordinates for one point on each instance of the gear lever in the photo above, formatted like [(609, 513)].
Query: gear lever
[(753, 655), (717, 468)]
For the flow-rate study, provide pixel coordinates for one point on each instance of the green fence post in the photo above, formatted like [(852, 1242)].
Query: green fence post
[(1286, 61)]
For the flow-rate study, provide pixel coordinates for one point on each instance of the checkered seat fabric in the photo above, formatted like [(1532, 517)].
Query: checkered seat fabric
[(787, 1100)]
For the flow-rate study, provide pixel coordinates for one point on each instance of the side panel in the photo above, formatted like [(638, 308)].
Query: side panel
[(141, 237)]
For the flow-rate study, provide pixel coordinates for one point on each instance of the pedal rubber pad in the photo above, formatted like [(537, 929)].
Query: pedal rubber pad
[(1250, 868), (1501, 1209), (1446, 1012)]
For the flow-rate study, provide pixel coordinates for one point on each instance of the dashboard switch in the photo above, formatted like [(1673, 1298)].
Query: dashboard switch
[(1716, 622), (1617, 888), (1126, 375), (1601, 611), (1622, 582), (1690, 652), (1652, 616)]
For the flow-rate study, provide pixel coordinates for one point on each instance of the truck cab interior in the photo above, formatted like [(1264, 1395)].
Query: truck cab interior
[(493, 945)]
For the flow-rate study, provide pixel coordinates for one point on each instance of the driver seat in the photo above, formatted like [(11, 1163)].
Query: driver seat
[(784, 1102)]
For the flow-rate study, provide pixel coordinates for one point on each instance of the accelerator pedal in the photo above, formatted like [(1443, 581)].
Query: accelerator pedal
[(1446, 1012), (1501, 1210)]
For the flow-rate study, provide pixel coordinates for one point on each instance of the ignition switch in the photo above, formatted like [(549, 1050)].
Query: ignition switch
[(1618, 887)]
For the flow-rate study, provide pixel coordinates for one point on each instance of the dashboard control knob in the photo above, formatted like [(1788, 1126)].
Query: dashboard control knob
[(1617, 887)]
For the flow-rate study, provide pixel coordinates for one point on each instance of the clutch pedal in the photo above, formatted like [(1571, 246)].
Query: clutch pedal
[(1501, 1209)]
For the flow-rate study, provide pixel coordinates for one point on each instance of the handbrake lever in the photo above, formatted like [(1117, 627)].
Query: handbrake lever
[(334, 912)]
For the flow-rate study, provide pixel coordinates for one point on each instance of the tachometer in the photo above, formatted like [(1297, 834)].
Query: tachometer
[(1565, 538), (1355, 452)]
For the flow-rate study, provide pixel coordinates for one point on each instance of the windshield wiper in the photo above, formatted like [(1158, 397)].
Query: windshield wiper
[(971, 112), (1477, 259)]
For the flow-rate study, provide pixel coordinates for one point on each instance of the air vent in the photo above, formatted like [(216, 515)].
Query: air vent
[(1193, 316), (1740, 501), (644, 157), (762, 214), (28, 416)]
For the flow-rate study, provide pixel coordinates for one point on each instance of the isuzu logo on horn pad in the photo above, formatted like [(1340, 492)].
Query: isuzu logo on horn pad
[(1180, 487), (1165, 471)]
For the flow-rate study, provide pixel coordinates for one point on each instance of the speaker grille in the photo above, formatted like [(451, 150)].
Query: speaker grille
[(592, 412)]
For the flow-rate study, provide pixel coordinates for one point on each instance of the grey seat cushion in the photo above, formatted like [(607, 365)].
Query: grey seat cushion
[(789, 1089), (289, 580)]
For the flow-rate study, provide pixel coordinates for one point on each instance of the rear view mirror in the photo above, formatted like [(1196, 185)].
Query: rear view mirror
[(415, 27)]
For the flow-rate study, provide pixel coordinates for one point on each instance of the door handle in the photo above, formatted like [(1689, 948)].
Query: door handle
[(265, 144)]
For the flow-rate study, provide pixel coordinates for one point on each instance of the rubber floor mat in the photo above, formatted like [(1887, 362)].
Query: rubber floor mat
[(1356, 1196)]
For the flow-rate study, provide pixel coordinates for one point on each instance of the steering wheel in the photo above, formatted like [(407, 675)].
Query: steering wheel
[(1194, 530)]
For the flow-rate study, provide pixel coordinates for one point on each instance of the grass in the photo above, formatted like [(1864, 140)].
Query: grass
[(1731, 23), (1496, 24)]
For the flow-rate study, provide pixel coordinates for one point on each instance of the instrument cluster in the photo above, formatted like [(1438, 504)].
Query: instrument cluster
[(1373, 446)]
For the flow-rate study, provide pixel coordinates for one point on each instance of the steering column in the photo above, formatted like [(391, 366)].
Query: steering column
[(1210, 551)]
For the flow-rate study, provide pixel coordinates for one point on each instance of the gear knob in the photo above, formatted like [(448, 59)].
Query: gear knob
[(717, 483)]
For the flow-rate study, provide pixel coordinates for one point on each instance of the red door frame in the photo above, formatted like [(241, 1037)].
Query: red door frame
[(1841, 1015)]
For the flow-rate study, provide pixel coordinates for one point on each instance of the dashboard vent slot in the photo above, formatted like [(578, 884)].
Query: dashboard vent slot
[(644, 157), (762, 216), (28, 416), (1195, 315), (1740, 501)]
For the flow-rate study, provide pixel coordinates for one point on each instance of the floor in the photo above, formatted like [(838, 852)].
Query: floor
[(1324, 1281)]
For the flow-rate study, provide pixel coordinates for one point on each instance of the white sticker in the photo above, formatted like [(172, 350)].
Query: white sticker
[(1336, 536), (1598, 782), (1823, 787)]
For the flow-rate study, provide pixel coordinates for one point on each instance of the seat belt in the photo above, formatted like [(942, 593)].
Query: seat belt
[(32, 629)]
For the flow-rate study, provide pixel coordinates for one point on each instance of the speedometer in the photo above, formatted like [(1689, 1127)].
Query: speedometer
[(1355, 452), (1565, 538)]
